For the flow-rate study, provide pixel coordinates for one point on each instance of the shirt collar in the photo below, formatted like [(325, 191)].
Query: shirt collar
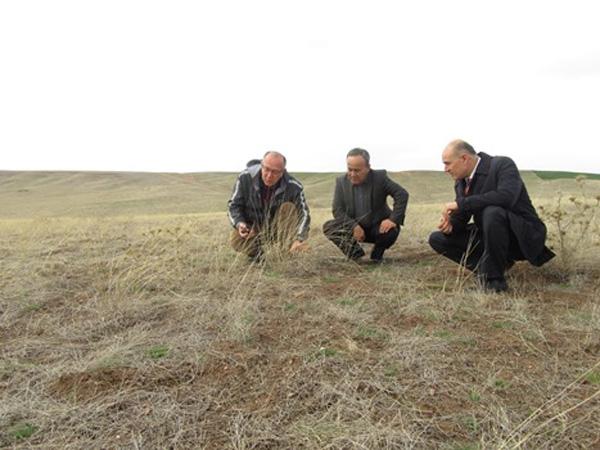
[(474, 169)]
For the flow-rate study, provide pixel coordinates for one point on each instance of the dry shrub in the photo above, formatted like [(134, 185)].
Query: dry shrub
[(573, 230)]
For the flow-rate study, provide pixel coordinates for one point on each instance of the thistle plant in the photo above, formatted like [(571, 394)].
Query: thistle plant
[(572, 223)]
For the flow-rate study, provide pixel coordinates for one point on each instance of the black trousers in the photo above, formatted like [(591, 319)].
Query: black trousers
[(340, 233), (489, 251)]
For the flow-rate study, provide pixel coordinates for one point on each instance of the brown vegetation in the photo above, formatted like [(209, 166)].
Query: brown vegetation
[(149, 332)]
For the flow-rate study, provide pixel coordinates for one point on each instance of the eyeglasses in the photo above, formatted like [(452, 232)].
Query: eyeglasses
[(269, 170)]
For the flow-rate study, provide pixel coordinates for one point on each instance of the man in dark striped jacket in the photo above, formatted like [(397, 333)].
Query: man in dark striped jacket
[(268, 207)]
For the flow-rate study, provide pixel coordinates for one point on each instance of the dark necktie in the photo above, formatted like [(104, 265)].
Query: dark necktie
[(468, 183)]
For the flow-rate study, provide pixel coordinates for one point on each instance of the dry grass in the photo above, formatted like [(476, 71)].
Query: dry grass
[(149, 332)]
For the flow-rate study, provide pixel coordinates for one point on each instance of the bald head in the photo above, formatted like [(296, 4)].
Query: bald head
[(458, 146), (459, 159), (275, 155)]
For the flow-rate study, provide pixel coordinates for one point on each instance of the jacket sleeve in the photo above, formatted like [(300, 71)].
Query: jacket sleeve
[(508, 189), (339, 207), (400, 196), (303, 214), (235, 205)]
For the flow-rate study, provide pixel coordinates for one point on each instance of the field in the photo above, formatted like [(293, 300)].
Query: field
[(550, 175), (126, 321)]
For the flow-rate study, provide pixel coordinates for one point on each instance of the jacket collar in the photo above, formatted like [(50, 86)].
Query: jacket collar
[(484, 164)]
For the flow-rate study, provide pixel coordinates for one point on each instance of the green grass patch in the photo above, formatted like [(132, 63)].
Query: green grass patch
[(326, 352), (110, 361), (500, 385), (23, 431), (158, 352), (290, 307), (593, 377), (370, 332), (474, 395), (31, 307), (443, 334), (391, 371), (419, 330), (464, 446), (557, 175), (472, 424), (348, 301), (502, 324)]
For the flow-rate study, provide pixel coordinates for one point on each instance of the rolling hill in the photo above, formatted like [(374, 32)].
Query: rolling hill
[(91, 194)]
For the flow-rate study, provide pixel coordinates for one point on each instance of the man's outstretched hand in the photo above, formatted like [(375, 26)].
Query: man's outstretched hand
[(245, 231)]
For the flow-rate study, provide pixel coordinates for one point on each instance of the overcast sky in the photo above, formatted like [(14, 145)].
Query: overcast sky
[(206, 85)]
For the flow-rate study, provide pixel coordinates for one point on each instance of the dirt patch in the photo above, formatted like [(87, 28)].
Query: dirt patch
[(84, 386)]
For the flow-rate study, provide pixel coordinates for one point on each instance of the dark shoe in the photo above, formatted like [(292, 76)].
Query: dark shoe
[(259, 258), (377, 254), (495, 285), (356, 253)]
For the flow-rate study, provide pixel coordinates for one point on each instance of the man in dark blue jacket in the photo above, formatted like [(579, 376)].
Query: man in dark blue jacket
[(505, 228), (268, 206), (360, 209)]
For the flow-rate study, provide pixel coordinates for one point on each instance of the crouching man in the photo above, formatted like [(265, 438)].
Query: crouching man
[(268, 207), (505, 227), (360, 209)]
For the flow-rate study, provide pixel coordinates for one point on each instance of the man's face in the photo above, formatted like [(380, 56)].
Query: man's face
[(272, 169), (457, 165), (358, 169)]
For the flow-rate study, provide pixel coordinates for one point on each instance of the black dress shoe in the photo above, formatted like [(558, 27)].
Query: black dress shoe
[(377, 254), (495, 285), (258, 258)]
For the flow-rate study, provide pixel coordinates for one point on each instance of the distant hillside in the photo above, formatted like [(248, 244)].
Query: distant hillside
[(52, 194), (553, 175)]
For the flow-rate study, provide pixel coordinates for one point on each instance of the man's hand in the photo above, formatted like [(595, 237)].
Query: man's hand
[(298, 247), (445, 226), (387, 225), (449, 208), (358, 233), (244, 231)]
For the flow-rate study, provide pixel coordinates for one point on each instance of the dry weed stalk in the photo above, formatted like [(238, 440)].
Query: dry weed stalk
[(573, 225), (525, 431)]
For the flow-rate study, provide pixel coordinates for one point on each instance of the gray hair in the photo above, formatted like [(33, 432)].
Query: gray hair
[(276, 154), (360, 152)]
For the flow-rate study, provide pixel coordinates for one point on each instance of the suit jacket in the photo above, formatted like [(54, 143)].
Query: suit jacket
[(497, 182), (380, 186)]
